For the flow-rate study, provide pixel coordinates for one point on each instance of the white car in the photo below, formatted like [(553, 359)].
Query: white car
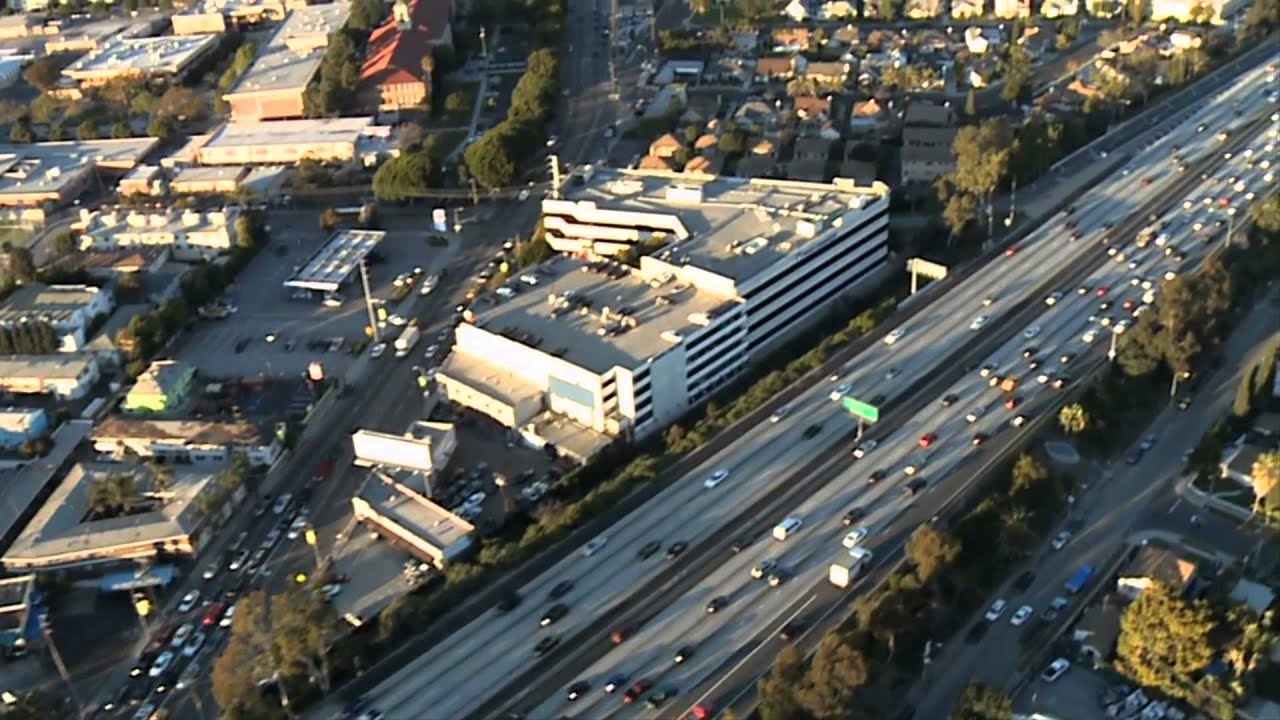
[(978, 322), (1031, 332), (987, 370), (162, 663), (228, 617), (428, 285), (295, 529), (398, 320), (855, 537), (1061, 539), (193, 645), (840, 391), (181, 634), (996, 610), (716, 478), (973, 416), (594, 546), (282, 503), (1055, 670), (780, 413), (189, 601), (1018, 421), (893, 337), (866, 447), (210, 571), (1023, 614), (378, 350), (1089, 336), (1053, 299)]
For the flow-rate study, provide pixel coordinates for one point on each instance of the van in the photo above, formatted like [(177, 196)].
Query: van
[(785, 528)]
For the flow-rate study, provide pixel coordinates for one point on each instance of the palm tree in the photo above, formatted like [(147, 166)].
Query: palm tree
[(428, 70), (1073, 418), (113, 494), (1015, 530), (161, 477)]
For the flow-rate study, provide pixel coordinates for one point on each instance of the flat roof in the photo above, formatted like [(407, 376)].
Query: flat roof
[(189, 432), (735, 227), (274, 133), (61, 366), (492, 378), (413, 510), (178, 222), (201, 173), (49, 167), (332, 264), (545, 316), (19, 488), (65, 524), (165, 55), (52, 303), (292, 56)]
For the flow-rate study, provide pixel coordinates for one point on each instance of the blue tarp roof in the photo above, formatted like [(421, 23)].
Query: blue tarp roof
[(130, 579)]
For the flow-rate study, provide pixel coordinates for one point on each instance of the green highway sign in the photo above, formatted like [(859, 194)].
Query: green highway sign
[(859, 409)]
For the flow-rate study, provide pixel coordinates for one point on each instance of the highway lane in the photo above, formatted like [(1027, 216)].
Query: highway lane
[(1060, 329), (394, 692)]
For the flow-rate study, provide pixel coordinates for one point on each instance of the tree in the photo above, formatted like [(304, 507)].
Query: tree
[(1073, 418), (971, 103), (121, 129), (931, 550), (161, 477), (1265, 474), (1164, 640), (20, 131), (490, 160), (64, 244), (87, 130), (19, 263), (365, 14), (889, 9), (835, 675), (409, 175), (778, 688), (1018, 73), (1243, 405), (182, 104), (246, 659), (329, 219), (983, 702), (113, 494), (1262, 18), (428, 72), (42, 73), (458, 102), (1136, 11), (161, 127)]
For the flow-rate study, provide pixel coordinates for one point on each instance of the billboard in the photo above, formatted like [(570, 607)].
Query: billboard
[(861, 410), (375, 448)]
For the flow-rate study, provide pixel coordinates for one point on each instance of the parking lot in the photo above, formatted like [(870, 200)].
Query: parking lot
[(1074, 696), (303, 330)]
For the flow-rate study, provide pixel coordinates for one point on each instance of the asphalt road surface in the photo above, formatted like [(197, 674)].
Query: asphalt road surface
[(465, 673)]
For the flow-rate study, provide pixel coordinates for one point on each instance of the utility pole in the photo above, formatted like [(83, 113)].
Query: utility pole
[(554, 161), (368, 301), (475, 191), (484, 45), (1013, 203), (1231, 225), (47, 629)]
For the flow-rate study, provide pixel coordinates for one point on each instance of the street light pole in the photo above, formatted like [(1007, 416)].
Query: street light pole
[(484, 45), (1111, 352)]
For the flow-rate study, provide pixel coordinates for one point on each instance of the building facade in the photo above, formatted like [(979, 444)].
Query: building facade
[(20, 425), (66, 376), (392, 76), (185, 441), (68, 309), (164, 387)]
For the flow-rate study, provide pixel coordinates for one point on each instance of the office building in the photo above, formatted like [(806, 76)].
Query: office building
[(185, 441), (580, 351), (285, 142), (68, 309), (151, 58), (392, 76), (65, 376)]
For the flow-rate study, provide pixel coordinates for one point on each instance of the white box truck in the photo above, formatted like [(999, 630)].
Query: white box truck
[(848, 566), (407, 340)]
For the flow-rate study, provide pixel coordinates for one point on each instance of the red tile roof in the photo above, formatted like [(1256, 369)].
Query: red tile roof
[(395, 55)]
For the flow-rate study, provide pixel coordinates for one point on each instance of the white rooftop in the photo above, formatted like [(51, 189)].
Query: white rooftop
[(293, 55), (176, 222), (271, 133), (166, 55), (62, 366), (332, 264)]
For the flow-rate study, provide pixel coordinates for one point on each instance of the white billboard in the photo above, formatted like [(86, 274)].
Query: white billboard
[(375, 448)]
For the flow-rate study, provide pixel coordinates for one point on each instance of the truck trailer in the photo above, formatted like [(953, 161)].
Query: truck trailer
[(849, 566), (407, 340)]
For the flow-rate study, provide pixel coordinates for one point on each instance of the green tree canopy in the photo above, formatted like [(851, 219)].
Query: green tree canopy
[(1164, 640), (931, 551), (409, 175), (491, 161), (983, 702), (42, 73)]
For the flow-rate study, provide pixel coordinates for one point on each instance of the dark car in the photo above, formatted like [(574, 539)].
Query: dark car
[(1024, 581), (577, 690), (741, 544), (853, 515), (1134, 458), (635, 691), (915, 486), (684, 653), (812, 431), (561, 589), (554, 613), (876, 476), (649, 549), (878, 400), (949, 400), (676, 548), (509, 602), (790, 631), (719, 602), (545, 645)]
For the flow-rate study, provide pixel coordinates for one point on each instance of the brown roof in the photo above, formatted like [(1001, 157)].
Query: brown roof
[(791, 36), (195, 432), (810, 107), (706, 141), (653, 162), (868, 108), (706, 164), (773, 65), (1162, 565), (827, 69), (395, 55)]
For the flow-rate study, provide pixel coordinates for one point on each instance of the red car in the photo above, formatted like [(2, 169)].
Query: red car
[(927, 440), (634, 692), (214, 613), (1103, 290), (979, 438), (701, 712), (1012, 402), (1011, 251), (1129, 305), (619, 635), (1146, 181)]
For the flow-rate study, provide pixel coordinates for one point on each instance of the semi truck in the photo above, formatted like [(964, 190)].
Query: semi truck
[(407, 340), (848, 566)]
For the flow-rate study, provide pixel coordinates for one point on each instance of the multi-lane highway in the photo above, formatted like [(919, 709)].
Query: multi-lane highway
[(472, 669)]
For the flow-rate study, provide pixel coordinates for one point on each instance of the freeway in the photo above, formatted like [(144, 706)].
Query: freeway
[(479, 660), (955, 433)]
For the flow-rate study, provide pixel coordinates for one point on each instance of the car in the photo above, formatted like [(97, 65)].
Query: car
[(561, 589), (1103, 290), (553, 613), (780, 413), (509, 601), (975, 414), (161, 663), (594, 546), (1089, 336), (893, 336), (1148, 442), (1053, 299), (1061, 539), (370, 715), (1018, 420), (214, 612), (912, 468), (189, 601), (812, 431), (273, 537), (658, 697), (1021, 615), (1011, 251), (1012, 402), (1084, 290), (684, 653), (1031, 332), (577, 690), (986, 370), (377, 350), (210, 571), (282, 504), (716, 478), (853, 515), (717, 604), (194, 644), (614, 682), (742, 543), (979, 438), (764, 568), (676, 548), (914, 487), (1024, 581), (949, 400), (228, 617), (776, 578), (928, 439), (297, 527), (790, 631), (841, 390), (181, 634), (979, 322), (1134, 458), (145, 712), (546, 644), (996, 610), (855, 537), (634, 692), (1056, 669), (648, 549), (866, 447), (876, 476), (1056, 606)]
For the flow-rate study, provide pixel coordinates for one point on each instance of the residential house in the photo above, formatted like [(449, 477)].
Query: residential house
[(795, 39), (855, 167), (20, 425), (706, 141), (1059, 8), (761, 159), (812, 148), (744, 42), (808, 107), (1193, 10), (797, 10), (849, 35), (1152, 564), (701, 110), (838, 10), (684, 71), (757, 116), (867, 116), (1098, 630), (709, 163), (809, 159), (965, 9), (653, 162), (163, 387), (976, 41), (68, 309), (832, 73), (923, 9), (929, 115), (666, 146), (1237, 463), (670, 99), (1257, 596), (926, 154), (185, 441), (779, 67), (1010, 9)]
